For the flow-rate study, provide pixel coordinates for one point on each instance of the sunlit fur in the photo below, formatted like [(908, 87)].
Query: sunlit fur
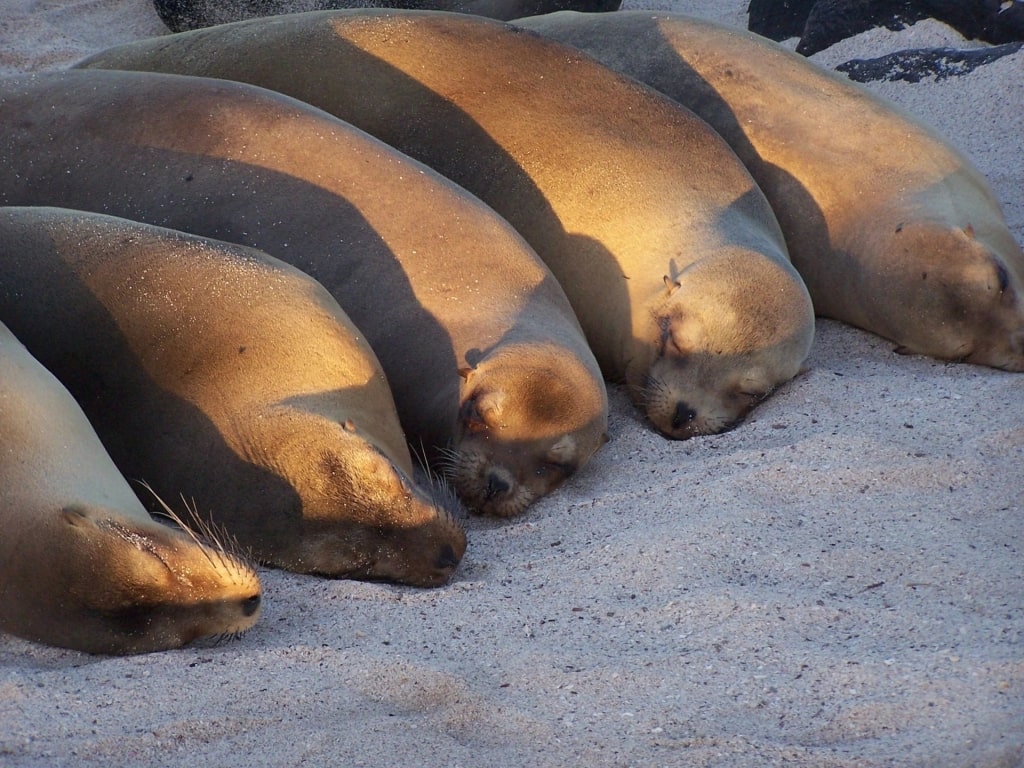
[(520, 442), (362, 516), (890, 226), (728, 336), (82, 565), (235, 380)]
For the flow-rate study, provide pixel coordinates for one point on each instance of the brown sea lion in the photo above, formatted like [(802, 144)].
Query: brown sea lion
[(214, 372), (668, 251), (892, 229), (82, 564), (436, 280)]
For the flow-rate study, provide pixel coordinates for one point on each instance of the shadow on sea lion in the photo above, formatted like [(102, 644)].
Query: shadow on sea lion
[(892, 229), (182, 15), (82, 564), (490, 371), (218, 373), (669, 253)]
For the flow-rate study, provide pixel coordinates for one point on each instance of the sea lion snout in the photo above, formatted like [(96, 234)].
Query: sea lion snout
[(684, 415), (251, 605), (499, 483), (447, 560)]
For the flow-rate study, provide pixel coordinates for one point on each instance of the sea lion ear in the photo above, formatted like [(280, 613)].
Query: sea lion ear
[(671, 286), (489, 406), (563, 451), (482, 411), (77, 517), (349, 425), (680, 336), (465, 373)]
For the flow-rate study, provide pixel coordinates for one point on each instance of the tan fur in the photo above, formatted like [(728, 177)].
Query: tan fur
[(222, 375), (435, 280), (82, 565), (614, 186), (892, 229)]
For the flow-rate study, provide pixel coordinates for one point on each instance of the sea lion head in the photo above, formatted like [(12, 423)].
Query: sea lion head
[(363, 517), (726, 337), (133, 586), (959, 298), (531, 416)]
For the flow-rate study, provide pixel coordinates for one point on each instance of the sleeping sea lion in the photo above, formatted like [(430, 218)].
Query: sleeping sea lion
[(437, 282), (82, 565), (216, 373), (668, 251), (892, 229)]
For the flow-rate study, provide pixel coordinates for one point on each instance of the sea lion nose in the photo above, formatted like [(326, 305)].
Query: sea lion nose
[(251, 605), (684, 415), (496, 485), (447, 559)]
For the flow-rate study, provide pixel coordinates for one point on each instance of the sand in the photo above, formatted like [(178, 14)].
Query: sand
[(838, 582)]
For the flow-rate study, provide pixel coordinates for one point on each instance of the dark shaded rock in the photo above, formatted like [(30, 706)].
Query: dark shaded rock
[(916, 64), (182, 15), (833, 20), (822, 23), (778, 19)]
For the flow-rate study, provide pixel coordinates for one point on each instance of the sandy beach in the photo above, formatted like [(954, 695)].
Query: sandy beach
[(839, 582)]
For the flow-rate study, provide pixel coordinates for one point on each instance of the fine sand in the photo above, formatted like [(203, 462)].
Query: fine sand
[(838, 582)]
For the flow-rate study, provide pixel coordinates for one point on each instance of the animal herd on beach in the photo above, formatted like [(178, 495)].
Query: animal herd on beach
[(332, 277)]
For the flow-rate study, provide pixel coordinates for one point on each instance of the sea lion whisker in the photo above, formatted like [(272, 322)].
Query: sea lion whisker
[(169, 513), (215, 541)]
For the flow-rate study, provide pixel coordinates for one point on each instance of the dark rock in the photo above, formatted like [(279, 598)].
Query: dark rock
[(833, 20), (916, 64), (182, 15), (822, 23), (778, 19)]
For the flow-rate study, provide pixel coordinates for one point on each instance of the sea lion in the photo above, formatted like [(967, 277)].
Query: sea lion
[(891, 228), (82, 565), (438, 283), (216, 373), (182, 15), (668, 251)]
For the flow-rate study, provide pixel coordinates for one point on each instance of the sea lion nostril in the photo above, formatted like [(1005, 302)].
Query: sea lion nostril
[(447, 558), (251, 605), (496, 486), (684, 415)]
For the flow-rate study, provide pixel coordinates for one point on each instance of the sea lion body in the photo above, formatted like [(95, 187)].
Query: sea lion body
[(217, 374), (891, 228), (615, 187), (436, 281), (82, 565)]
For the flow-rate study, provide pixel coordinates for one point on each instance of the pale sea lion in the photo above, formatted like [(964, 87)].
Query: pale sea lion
[(214, 372), (82, 565), (667, 249), (892, 229), (435, 279), (181, 15)]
